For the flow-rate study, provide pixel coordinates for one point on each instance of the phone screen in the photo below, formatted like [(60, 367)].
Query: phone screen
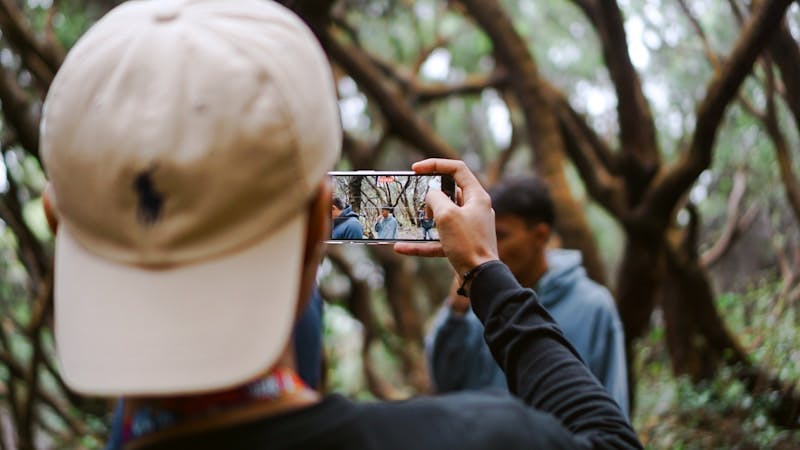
[(384, 206)]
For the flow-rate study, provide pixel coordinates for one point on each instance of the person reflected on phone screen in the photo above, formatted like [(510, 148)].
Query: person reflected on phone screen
[(386, 226), (345, 221)]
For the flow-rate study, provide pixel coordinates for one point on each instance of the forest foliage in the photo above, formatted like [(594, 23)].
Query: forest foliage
[(667, 131)]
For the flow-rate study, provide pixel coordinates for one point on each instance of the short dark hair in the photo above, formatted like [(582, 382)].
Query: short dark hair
[(525, 197), (338, 203)]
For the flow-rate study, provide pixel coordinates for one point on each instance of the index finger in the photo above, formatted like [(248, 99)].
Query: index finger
[(463, 177)]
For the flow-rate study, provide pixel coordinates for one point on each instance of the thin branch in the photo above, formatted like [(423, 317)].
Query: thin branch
[(406, 316), (637, 128), (734, 224), (426, 52), (495, 169), (16, 372), (786, 55), (750, 108), (71, 397), (402, 76), (600, 184), (420, 91), (714, 59), (42, 59), (399, 114), (359, 305), (785, 52), (722, 88), (511, 51), (698, 29), (29, 248), (737, 11), (596, 163), (18, 112), (341, 23), (600, 149), (783, 154), (41, 307), (472, 84), (788, 280)]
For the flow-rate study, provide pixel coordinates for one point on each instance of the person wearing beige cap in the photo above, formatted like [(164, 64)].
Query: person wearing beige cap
[(187, 144)]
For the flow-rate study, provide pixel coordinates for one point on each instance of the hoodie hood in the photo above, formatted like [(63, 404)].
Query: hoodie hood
[(344, 215), (564, 270)]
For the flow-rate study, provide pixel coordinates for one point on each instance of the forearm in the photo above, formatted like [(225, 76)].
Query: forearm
[(541, 366)]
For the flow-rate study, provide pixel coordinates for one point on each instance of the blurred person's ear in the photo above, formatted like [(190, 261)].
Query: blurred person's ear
[(50, 209), (541, 232), (317, 230)]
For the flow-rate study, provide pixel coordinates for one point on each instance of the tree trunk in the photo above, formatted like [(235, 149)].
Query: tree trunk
[(354, 188), (697, 339), (543, 129), (638, 279), (400, 295)]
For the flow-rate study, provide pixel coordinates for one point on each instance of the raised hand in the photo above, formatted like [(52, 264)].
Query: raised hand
[(466, 230)]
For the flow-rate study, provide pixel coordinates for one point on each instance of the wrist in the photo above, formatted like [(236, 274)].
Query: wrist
[(465, 279), (472, 263)]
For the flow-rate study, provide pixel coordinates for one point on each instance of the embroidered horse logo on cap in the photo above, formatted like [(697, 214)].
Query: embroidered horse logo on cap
[(150, 201)]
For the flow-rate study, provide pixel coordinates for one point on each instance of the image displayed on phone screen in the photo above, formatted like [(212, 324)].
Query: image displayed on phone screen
[(384, 206)]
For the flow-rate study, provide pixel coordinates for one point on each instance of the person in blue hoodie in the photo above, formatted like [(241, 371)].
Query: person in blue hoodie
[(345, 221), (386, 226), (524, 217)]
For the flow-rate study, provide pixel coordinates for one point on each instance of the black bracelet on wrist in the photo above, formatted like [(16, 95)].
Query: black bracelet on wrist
[(470, 274)]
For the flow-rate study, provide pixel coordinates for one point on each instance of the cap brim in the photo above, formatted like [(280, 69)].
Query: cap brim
[(125, 330)]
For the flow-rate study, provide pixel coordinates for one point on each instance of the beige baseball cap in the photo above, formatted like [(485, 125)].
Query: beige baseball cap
[(184, 140)]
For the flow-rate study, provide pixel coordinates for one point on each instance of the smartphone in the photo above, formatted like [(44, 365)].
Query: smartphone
[(381, 207)]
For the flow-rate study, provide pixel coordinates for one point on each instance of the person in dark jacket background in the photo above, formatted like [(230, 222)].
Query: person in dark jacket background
[(345, 221), (585, 310)]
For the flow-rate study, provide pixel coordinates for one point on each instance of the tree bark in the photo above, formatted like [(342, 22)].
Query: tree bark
[(359, 303), (542, 126), (698, 340), (666, 191), (400, 295), (785, 53), (401, 119), (639, 158)]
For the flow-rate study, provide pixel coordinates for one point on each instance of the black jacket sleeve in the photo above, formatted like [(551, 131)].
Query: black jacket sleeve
[(541, 366)]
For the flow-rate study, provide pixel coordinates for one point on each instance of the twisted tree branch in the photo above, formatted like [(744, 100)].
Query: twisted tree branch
[(785, 54), (18, 112), (359, 305), (547, 143), (637, 128), (400, 117), (601, 185), (42, 58), (734, 223), (723, 87)]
